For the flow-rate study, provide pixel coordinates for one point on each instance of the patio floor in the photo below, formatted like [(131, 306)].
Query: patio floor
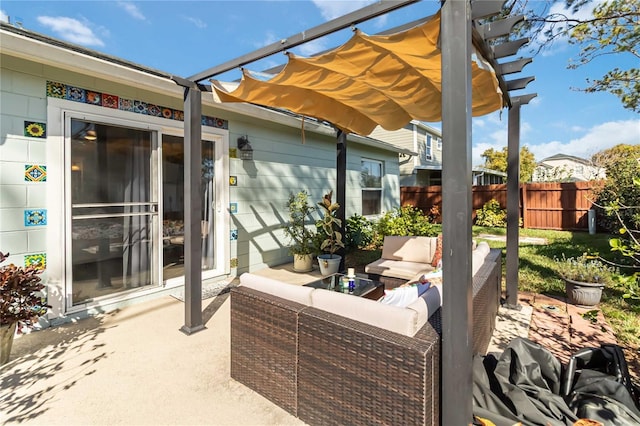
[(134, 366)]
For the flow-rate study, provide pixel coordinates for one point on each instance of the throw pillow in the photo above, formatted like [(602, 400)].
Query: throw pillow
[(433, 299), (404, 296), (437, 256)]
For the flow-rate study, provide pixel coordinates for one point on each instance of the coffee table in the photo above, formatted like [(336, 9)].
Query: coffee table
[(365, 287)]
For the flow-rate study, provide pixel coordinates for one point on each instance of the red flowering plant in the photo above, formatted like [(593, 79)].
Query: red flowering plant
[(20, 298)]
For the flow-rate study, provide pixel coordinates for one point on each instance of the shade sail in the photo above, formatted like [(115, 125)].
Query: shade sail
[(385, 80)]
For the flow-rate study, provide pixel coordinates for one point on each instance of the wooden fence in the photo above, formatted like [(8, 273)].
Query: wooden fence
[(561, 206)]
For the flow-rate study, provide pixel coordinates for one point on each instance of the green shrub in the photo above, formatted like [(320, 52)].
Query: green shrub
[(404, 221), (359, 232), (491, 215)]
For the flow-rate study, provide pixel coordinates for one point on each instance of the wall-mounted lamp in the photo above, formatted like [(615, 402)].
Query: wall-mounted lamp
[(245, 148)]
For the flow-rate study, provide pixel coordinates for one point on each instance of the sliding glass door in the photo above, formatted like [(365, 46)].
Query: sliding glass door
[(173, 206), (114, 209)]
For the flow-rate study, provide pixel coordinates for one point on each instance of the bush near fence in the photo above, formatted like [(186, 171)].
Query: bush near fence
[(548, 205)]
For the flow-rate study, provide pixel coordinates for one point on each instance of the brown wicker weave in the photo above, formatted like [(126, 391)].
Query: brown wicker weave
[(328, 369), (350, 373), (264, 345)]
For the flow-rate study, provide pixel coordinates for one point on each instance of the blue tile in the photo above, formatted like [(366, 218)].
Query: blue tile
[(36, 217)]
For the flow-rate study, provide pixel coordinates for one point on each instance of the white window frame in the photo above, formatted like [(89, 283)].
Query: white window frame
[(439, 144), (428, 147), (380, 189)]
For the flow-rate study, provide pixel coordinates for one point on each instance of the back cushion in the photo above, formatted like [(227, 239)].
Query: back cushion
[(410, 249), (399, 320), (296, 293), (478, 255)]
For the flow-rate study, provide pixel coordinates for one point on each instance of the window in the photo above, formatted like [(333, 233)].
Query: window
[(439, 144), (371, 183), (428, 147)]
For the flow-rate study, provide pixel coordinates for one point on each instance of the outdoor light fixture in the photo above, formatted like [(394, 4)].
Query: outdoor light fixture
[(246, 151)]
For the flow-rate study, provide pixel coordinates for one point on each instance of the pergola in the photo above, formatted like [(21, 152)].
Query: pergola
[(467, 80)]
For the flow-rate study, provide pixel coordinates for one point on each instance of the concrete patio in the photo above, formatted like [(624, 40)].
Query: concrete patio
[(134, 366)]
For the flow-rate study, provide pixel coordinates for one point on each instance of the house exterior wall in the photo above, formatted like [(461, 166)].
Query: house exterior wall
[(566, 169), (415, 171), (34, 205)]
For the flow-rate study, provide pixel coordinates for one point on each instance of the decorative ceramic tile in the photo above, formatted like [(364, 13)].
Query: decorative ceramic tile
[(167, 113), (154, 110), (35, 173), (234, 235), (110, 101), (76, 94), (233, 262), (36, 217), (125, 104), (56, 90), (35, 130), (39, 259), (233, 180), (233, 208), (140, 107), (233, 153), (93, 98)]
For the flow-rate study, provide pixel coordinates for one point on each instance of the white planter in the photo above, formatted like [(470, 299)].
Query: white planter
[(328, 264), (302, 262)]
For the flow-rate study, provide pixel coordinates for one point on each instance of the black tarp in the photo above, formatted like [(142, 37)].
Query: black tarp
[(524, 384)]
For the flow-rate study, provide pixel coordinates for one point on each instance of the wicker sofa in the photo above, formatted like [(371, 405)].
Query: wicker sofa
[(304, 350)]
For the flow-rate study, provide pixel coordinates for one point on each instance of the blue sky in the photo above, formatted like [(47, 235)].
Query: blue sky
[(187, 37)]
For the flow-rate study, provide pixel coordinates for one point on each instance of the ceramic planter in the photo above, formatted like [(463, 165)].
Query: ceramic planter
[(583, 294), (302, 262), (328, 264)]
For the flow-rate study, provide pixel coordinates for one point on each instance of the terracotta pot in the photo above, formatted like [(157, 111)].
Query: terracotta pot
[(586, 295), (6, 341)]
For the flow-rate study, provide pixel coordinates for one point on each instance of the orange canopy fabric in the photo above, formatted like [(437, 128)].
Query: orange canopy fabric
[(370, 80)]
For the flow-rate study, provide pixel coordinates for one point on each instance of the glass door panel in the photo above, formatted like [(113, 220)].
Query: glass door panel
[(113, 208), (173, 206)]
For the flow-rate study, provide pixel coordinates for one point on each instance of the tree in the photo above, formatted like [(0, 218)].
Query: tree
[(619, 195), (497, 160), (611, 29)]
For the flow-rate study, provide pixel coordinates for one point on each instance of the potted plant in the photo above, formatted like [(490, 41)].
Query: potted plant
[(20, 302), (585, 276), (299, 234), (329, 229)]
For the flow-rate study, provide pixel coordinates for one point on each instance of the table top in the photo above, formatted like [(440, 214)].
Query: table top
[(363, 286)]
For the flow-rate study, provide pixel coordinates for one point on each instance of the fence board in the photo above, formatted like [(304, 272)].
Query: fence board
[(547, 205)]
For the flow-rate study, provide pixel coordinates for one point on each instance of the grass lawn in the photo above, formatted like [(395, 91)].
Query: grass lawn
[(537, 273)]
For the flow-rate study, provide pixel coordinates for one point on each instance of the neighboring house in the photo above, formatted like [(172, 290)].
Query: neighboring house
[(425, 168), (566, 168), (92, 176)]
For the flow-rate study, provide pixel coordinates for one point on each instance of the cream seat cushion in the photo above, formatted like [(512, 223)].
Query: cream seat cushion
[(295, 293)]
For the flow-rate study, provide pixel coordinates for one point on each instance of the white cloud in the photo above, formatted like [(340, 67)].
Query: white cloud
[(197, 22), (313, 47), (3, 16), (132, 10), (71, 29), (595, 139), (331, 9)]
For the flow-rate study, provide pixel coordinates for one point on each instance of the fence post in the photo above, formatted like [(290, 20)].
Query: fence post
[(523, 198)]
